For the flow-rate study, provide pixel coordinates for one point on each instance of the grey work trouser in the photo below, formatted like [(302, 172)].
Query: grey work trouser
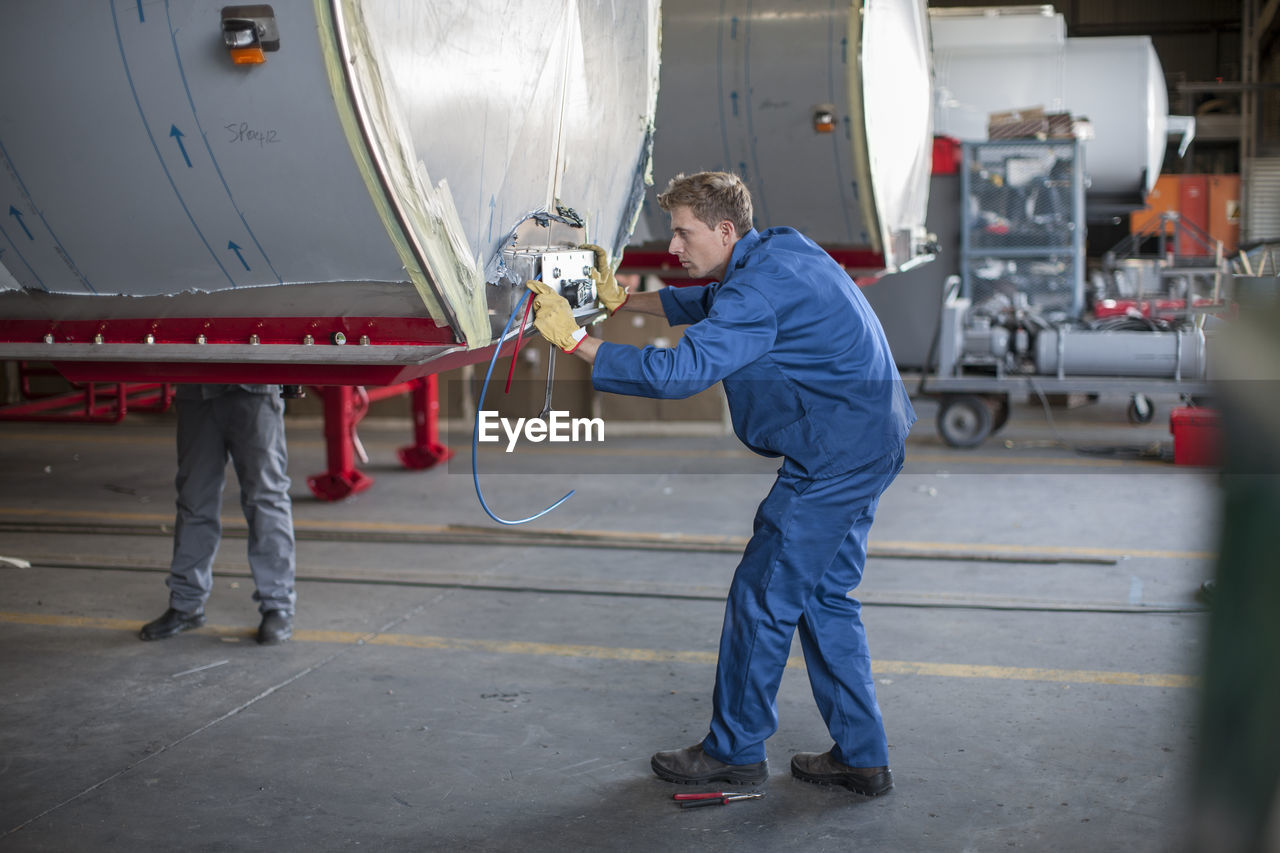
[(249, 428)]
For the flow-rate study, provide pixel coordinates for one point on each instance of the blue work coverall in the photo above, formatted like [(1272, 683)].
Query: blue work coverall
[(809, 377), (245, 423)]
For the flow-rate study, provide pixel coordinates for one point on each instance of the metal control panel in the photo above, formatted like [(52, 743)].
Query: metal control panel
[(570, 274), (566, 270)]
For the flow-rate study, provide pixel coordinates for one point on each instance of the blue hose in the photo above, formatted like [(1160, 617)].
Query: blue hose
[(475, 430)]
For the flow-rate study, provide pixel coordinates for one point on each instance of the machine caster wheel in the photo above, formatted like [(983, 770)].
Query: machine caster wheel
[(964, 420), (1140, 409)]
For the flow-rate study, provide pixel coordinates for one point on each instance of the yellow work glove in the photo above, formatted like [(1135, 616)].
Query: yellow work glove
[(553, 318), (611, 296)]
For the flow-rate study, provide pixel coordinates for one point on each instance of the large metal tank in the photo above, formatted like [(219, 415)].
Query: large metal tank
[(822, 107), (1003, 58), (370, 174)]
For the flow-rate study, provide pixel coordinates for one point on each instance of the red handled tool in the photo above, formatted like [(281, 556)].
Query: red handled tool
[(713, 798)]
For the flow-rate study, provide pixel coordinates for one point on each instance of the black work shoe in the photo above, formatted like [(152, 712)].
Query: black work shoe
[(173, 622), (692, 766), (276, 627), (823, 769)]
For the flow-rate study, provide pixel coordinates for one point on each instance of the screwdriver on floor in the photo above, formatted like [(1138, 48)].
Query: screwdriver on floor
[(712, 798)]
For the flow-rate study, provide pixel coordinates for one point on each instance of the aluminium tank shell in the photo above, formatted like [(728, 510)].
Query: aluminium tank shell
[(746, 86), (375, 164)]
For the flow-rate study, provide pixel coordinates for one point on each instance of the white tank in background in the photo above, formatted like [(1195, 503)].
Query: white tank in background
[(989, 60)]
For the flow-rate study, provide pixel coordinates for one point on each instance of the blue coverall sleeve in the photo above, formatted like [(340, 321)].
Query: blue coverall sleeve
[(685, 305), (740, 329)]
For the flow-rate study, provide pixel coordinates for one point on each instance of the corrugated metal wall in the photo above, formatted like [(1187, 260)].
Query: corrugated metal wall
[(1262, 216)]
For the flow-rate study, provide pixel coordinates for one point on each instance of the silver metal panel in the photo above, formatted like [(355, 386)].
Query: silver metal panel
[(521, 106), (141, 161), (895, 80), (741, 82)]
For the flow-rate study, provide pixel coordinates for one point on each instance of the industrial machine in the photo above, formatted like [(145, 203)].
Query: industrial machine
[(823, 108), (1009, 306), (1017, 319), (336, 194), (351, 193), (201, 191)]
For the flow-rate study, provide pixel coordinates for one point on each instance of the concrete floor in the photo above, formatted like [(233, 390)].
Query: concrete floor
[(1035, 651)]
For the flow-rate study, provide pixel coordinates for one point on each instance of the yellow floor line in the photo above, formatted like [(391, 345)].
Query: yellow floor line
[(515, 647), (234, 523)]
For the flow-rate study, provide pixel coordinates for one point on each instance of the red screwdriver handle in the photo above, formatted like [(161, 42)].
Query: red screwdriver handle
[(693, 804)]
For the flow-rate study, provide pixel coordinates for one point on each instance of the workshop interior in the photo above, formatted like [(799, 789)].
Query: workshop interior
[(1065, 218)]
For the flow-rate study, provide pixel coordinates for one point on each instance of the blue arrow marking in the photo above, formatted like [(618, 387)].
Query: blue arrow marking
[(177, 137), (233, 247), (493, 203), (733, 96), (141, 18), (17, 214), (848, 128), (844, 51)]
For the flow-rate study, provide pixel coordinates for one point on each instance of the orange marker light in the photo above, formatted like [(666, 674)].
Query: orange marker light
[(248, 55)]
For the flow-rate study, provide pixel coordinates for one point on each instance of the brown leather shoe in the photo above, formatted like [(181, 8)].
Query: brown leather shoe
[(692, 766), (822, 769)]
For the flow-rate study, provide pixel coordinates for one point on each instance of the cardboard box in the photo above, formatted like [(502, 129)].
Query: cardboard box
[(645, 330), (1025, 123)]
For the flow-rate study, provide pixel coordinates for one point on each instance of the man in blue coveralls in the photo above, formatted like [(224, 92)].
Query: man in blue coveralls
[(809, 377)]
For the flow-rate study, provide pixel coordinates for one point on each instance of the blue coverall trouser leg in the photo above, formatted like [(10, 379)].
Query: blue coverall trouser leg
[(250, 429), (806, 554)]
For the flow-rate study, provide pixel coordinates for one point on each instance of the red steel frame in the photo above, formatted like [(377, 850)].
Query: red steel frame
[(88, 402), (345, 406), (147, 385)]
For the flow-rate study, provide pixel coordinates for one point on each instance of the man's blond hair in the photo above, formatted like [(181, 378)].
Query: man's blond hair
[(712, 197)]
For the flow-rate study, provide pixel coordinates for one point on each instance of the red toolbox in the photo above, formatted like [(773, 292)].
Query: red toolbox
[(1196, 435)]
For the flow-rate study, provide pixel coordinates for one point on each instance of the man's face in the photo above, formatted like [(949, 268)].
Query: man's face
[(704, 252)]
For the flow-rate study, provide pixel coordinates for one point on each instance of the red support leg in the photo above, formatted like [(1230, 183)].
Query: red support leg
[(426, 449), (341, 414)]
